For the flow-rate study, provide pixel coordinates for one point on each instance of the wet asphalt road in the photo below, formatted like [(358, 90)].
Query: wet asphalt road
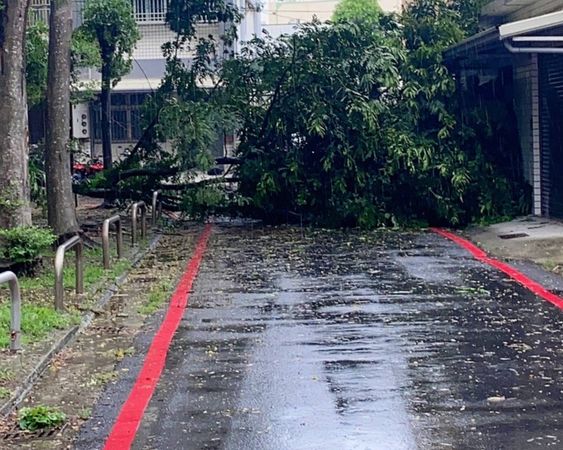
[(344, 340)]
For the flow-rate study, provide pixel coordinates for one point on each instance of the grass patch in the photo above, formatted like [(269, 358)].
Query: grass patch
[(38, 316), (93, 272), (6, 375), (5, 393), (157, 296), (37, 322), (39, 417), (103, 378)]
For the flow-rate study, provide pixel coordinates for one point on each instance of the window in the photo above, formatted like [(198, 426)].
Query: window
[(39, 11), (125, 117), (149, 11)]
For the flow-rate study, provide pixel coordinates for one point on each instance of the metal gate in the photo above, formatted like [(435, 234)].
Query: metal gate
[(551, 128)]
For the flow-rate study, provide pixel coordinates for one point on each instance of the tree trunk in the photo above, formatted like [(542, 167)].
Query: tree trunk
[(105, 100), (15, 209), (60, 202)]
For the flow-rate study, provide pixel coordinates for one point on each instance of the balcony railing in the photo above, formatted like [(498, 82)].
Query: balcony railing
[(149, 11), (144, 11), (39, 11)]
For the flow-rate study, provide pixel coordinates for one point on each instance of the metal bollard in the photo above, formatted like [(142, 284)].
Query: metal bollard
[(105, 239), (76, 243), (134, 213), (15, 314), (155, 208)]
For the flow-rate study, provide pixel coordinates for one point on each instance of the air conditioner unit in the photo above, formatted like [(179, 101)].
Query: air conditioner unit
[(81, 121)]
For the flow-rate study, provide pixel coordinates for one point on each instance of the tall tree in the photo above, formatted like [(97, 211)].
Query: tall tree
[(15, 207), (60, 205), (359, 11), (111, 24)]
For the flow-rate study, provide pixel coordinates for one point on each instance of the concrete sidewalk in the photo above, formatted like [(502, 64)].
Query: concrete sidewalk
[(533, 239)]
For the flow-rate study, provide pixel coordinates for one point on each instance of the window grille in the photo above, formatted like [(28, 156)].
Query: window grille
[(149, 11), (125, 117), (39, 11)]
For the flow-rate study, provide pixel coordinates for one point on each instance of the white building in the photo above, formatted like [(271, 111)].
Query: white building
[(146, 75), (281, 15)]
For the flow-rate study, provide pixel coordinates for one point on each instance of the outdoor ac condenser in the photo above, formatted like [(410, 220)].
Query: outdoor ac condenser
[(81, 121)]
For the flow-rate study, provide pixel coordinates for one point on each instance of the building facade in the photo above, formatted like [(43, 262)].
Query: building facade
[(520, 52), (287, 12), (146, 74)]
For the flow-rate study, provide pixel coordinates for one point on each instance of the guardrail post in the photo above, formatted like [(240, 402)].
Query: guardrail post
[(15, 312), (134, 213), (105, 239), (155, 208), (76, 244)]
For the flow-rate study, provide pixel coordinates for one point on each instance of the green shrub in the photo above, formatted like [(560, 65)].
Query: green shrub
[(24, 244), (201, 202), (38, 417)]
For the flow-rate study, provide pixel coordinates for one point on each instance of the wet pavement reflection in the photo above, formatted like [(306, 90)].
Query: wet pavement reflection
[(350, 340)]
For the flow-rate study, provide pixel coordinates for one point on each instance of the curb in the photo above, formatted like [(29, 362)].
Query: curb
[(68, 338), (481, 255)]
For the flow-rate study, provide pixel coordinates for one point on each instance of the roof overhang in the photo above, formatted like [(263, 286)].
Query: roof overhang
[(534, 24), (541, 34)]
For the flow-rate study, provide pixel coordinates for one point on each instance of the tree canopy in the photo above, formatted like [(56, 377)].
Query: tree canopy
[(342, 123), (362, 11)]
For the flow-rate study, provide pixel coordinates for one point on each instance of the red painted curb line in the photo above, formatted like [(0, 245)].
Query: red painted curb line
[(516, 275), (129, 418)]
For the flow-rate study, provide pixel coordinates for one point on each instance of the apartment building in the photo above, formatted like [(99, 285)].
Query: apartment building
[(519, 54), (146, 75)]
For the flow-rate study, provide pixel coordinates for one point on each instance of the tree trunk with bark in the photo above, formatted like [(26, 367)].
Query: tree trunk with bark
[(105, 100), (15, 209), (60, 202)]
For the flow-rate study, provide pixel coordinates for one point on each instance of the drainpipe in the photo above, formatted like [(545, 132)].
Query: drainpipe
[(513, 49)]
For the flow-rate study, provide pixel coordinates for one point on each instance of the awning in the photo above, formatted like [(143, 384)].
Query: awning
[(540, 34), (534, 24)]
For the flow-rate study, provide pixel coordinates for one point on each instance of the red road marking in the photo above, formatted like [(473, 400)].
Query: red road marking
[(516, 275), (127, 423)]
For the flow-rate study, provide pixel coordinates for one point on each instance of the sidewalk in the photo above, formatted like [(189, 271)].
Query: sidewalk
[(534, 239), (534, 245)]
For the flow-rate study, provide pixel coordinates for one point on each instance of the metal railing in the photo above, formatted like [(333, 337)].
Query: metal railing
[(15, 314), (76, 244), (134, 214), (105, 238), (149, 11), (156, 207)]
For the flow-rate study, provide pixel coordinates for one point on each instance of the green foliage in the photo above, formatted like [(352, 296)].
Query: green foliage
[(366, 12), (157, 296), (37, 322), (315, 112), (111, 24), (182, 113), (24, 244), (37, 188), (84, 53), (38, 417), (355, 125), (36, 51), (201, 202)]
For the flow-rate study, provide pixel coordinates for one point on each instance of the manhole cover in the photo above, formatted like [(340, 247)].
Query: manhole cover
[(16, 434), (513, 235)]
